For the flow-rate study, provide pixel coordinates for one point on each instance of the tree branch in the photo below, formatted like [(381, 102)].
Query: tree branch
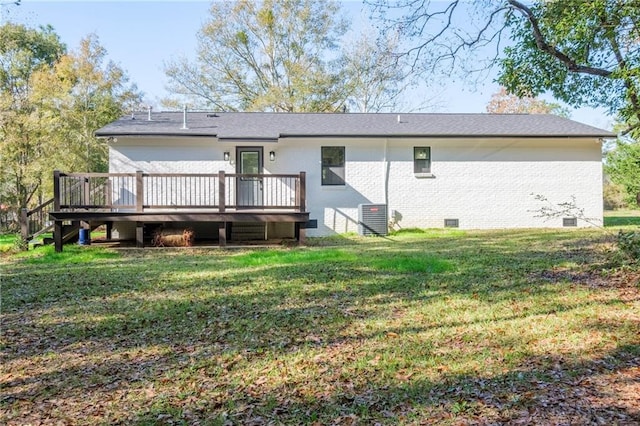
[(630, 129), (622, 64), (543, 45)]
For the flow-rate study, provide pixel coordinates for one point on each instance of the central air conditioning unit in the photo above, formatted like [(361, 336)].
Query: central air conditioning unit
[(372, 219)]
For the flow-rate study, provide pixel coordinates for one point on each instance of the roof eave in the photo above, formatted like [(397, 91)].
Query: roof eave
[(147, 134), (328, 135), (451, 136)]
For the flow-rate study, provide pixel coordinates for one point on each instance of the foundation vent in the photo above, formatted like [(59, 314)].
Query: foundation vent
[(569, 221), (451, 223)]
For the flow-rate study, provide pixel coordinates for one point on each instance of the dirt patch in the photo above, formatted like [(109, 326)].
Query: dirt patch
[(626, 280)]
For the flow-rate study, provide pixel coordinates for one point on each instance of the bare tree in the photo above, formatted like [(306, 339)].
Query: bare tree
[(286, 56), (376, 78), (267, 56), (583, 52)]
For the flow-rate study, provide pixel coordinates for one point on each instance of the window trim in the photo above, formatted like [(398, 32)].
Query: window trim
[(343, 166)]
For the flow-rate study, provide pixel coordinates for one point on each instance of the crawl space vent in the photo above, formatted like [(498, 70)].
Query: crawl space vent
[(569, 221), (372, 219), (451, 223)]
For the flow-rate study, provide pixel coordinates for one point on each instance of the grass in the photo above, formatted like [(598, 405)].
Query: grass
[(447, 327), (622, 218), (7, 242)]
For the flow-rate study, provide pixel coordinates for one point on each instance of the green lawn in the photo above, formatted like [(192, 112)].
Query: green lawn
[(622, 218), (446, 327), (7, 242)]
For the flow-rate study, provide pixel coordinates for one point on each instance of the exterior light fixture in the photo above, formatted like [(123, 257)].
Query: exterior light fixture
[(227, 156), (272, 155)]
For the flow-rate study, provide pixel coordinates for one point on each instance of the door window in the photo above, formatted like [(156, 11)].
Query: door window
[(250, 162)]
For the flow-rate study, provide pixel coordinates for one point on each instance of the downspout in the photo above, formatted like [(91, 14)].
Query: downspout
[(386, 165)]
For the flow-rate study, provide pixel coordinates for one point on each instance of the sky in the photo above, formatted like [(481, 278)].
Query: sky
[(141, 35)]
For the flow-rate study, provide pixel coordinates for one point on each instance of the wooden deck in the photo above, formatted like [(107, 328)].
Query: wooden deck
[(142, 198)]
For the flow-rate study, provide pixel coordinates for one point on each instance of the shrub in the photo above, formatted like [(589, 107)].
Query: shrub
[(628, 243), (614, 196)]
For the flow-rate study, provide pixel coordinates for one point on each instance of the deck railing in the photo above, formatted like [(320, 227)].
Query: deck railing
[(35, 222), (142, 192)]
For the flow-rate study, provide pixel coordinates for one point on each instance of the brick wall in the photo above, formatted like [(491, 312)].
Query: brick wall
[(493, 183), (484, 183)]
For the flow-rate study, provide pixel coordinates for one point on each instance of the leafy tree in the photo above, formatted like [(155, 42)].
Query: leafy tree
[(23, 153), (77, 96), (623, 168), (614, 196), (52, 102), (22, 51), (504, 103), (583, 52), (268, 55)]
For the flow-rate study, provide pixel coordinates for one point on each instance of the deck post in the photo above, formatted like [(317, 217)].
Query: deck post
[(57, 235), (57, 224), (139, 191), (24, 224), (109, 230), (222, 192), (140, 234), (86, 186), (56, 190), (222, 234), (303, 192), (300, 233)]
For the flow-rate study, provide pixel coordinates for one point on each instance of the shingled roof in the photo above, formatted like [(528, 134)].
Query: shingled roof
[(261, 125)]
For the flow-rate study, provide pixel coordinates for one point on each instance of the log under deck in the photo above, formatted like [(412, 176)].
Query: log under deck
[(299, 219)]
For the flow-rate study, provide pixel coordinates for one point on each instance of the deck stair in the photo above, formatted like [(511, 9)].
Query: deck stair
[(35, 223)]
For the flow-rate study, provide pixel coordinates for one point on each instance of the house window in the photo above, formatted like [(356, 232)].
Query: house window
[(422, 159), (332, 165)]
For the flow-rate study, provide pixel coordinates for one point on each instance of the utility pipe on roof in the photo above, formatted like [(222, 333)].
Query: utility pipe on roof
[(184, 117)]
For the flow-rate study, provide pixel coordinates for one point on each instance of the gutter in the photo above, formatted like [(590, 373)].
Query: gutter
[(276, 136), (134, 135)]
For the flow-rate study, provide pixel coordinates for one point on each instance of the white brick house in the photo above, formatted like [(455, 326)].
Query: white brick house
[(477, 171)]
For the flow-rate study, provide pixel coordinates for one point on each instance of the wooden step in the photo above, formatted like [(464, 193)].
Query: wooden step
[(71, 233)]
